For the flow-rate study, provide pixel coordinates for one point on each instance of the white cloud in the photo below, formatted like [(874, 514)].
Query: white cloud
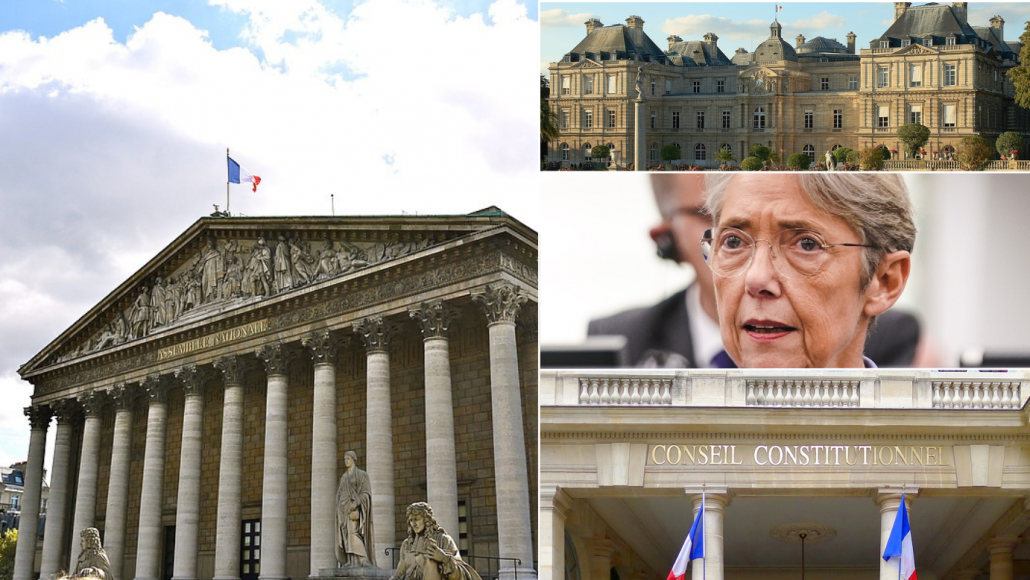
[(695, 26), (558, 18), (817, 23)]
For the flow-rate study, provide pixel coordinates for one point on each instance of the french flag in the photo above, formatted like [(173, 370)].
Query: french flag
[(693, 548), (238, 175), (898, 552)]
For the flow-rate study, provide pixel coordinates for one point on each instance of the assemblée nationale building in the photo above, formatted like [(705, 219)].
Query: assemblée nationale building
[(204, 407), (626, 455), (930, 66)]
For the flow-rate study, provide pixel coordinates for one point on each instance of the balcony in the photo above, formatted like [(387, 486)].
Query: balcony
[(882, 130), (807, 130), (947, 129), (699, 130)]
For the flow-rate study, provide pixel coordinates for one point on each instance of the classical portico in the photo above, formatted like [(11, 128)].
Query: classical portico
[(626, 455), (204, 407)]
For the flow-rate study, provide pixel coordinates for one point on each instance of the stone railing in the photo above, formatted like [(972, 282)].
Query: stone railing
[(927, 165), (625, 391), (802, 393), (976, 395)]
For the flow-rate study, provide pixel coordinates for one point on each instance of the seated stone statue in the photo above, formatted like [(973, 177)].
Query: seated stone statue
[(429, 553), (93, 562)]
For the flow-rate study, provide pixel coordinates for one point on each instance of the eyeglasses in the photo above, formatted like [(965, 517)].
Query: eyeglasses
[(729, 251)]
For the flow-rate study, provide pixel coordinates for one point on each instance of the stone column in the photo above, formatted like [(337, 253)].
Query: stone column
[(118, 482), (187, 511), (230, 471), (376, 334), (501, 303), (1001, 556), (150, 537), (639, 137), (601, 550), (273, 484), (554, 510), (57, 504), (89, 466), (25, 553), (889, 499), (441, 469), (713, 565), (323, 347)]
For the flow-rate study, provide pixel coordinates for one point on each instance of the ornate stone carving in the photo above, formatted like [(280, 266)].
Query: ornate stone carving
[(93, 562), (323, 346), (354, 541), (93, 403), (192, 379), (434, 318), (375, 332), (66, 410), (501, 302), (155, 388), (122, 396), (428, 551), (233, 367), (276, 357), (39, 416)]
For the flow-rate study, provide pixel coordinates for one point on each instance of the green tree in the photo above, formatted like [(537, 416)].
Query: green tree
[(872, 158), (548, 120), (670, 153), (913, 136), (760, 152), (840, 154), (973, 153), (7, 548), (854, 157), (1009, 141), (799, 161), (1020, 75), (751, 164), (724, 156)]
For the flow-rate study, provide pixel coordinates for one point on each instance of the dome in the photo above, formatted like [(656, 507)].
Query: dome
[(823, 45)]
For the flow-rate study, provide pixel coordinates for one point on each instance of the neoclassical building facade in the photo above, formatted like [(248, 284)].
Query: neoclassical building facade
[(931, 66), (626, 455), (204, 407)]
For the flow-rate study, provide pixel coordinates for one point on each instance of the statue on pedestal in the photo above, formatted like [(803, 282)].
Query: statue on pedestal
[(93, 562), (429, 553), (354, 539)]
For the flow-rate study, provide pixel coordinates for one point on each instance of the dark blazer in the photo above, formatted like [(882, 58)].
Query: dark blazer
[(665, 327)]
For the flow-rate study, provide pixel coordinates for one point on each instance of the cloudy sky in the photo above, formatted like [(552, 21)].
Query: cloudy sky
[(115, 116), (743, 24)]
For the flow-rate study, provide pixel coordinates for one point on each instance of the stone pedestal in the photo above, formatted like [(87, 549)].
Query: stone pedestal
[(357, 573), (639, 136)]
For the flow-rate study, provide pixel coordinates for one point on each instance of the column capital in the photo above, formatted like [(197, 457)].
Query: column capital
[(276, 357), (714, 501), (93, 403), (122, 396), (324, 346), (233, 368), (558, 500), (66, 410), (39, 416), (501, 301), (376, 332), (192, 378), (1003, 544), (155, 389), (434, 318), (601, 547), (889, 498)]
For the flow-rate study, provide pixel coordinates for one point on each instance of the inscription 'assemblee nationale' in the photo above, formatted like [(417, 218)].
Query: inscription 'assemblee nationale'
[(822, 455), (212, 340)]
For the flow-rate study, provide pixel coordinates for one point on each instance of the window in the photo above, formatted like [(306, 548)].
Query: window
[(699, 152), (14, 501), (758, 119), (949, 75), (949, 115), (905, 43), (809, 120), (463, 528), (588, 84), (885, 44), (726, 146), (838, 118), (668, 86), (250, 550), (810, 151), (950, 41), (824, 83), (653, 83), (654, 151), (588, 119), (564, 118), (852, 83), (883, 116), (565, 85), (700, 119), (564, 151), (884, 76), (697, 86), (720, 86), (653, 117), (611, 84), (915, 114), (586, 151), (675, 119), (611, 118), (928, 41), (726, 119), (915, 75)]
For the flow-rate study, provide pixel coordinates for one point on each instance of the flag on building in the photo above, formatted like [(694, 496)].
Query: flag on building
[(779, 8), (898, 552), (694, 546), (238, 175)]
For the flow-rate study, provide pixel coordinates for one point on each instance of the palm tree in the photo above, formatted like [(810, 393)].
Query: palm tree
[(724, 156), (548, 123)]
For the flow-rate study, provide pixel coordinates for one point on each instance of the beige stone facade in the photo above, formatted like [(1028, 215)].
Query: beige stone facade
[(316, 338)]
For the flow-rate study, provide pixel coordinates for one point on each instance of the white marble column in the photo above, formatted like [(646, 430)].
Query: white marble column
[(187, 510), (712, 568), (889, 499), (89, 467), (275, 357), (230, 471), (554, 509), (1001, 556), (376, 334), (501, 303), (118, 482), (323, 347), (25, 553), (434, 318), (149, 539), (57, 504)]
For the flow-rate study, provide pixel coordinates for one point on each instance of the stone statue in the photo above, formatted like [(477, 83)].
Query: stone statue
[(208, 271), (259, 271), (304, 266), (93, 562), (140, 317), (283, 271), (640, 82), (327, 267), (829, 160), (354, 538), (429, 553), (157, 304)]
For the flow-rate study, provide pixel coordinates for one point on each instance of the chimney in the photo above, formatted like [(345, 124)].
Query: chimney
[(799, 40), (593, 24), (673, 40), (851, 42), (959, 8), (635, 26), (712, 40), (999, 23), (900, 8)]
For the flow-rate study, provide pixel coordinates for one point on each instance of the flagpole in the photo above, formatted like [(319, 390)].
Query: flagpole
[(227, 182), (704, 547)]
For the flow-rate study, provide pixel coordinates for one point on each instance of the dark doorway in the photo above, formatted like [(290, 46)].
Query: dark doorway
[(250, 551)]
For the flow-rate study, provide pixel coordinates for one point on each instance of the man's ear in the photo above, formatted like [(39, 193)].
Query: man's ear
[(887, 283)]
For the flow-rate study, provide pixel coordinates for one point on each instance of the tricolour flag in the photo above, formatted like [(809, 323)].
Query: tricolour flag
[(693, 548), (898, 552), (779, 8), (238, 175)]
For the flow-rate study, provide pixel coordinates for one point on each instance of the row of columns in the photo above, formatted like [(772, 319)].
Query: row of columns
[(500, 302)]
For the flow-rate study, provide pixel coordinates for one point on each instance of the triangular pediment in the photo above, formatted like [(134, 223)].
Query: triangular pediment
[(917, 49), (223, 264), (587, 63)]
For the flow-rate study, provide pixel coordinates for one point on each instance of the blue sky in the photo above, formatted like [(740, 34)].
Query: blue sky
[(743, 24)]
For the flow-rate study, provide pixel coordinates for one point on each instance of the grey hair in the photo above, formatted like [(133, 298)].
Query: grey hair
[(876, 206)]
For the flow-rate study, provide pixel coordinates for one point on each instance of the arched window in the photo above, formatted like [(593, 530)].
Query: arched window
[(727, 146), (758, 118), (654, 151), (699, 152), (571, 561), (810, 151), (564, 151), (611, 146), (836, 147), (586, 151)]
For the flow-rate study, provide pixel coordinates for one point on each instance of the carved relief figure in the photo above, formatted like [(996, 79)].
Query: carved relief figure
[(283, 271), (173, 298), (233, 282), (260, 270), (304, 266), (193, 291), (354, 539), (326, 261), (208, 271), (157, 304), (140, 317), (429, 553), (93, 561)]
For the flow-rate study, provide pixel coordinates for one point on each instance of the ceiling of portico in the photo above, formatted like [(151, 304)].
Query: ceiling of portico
[(943, 529)]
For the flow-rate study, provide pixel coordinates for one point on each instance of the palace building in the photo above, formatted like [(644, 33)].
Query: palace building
[(204, 407), (802, 472), (931, 66)]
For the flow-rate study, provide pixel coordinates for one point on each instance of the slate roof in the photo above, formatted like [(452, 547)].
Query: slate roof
[(697, 53), (772, 50), (821, 44), (1008, 51), (615, 40), (934, 20)]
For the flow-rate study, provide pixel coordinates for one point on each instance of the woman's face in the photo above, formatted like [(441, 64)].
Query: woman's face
[(417, 523), (769, 320)]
